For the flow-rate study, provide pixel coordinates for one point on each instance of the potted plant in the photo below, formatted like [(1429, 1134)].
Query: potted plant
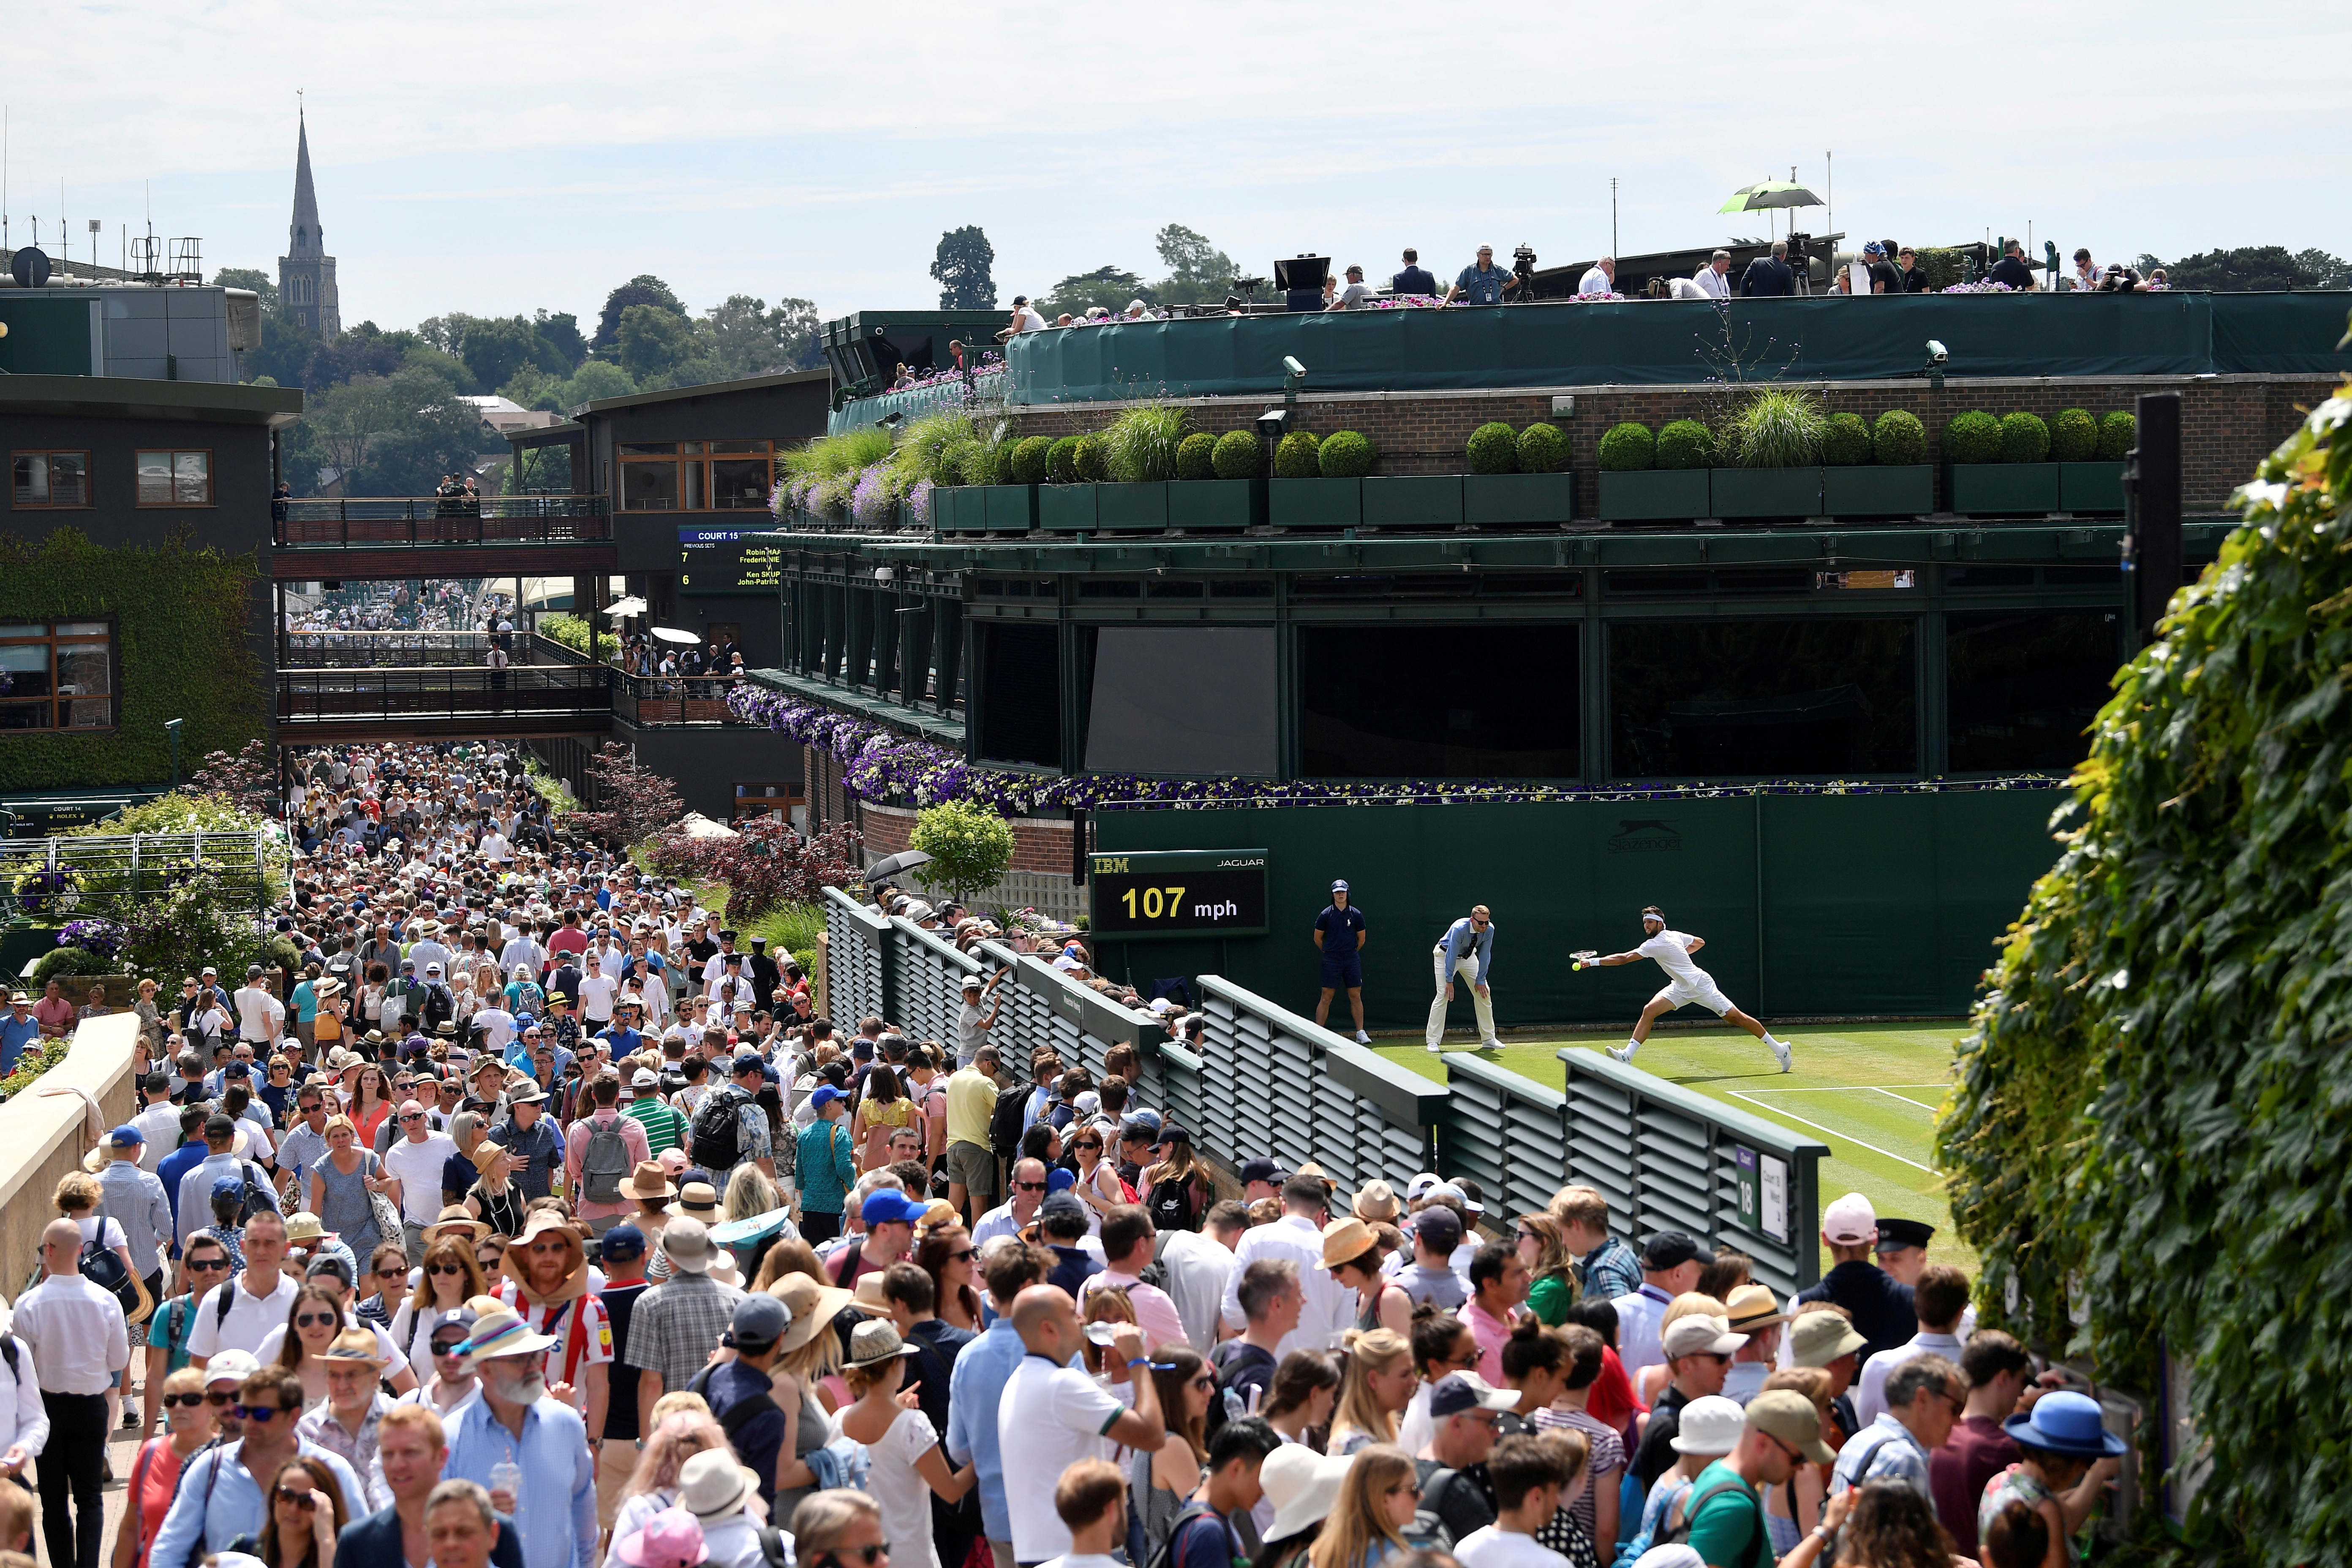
[(1652, 476), (1521, 479), (1138, 454), (2085, 482), (1074, 466), (1307, 493), (1996, 466), (1232, 495), (1888, 475), (1423, 500), (1776, 440)]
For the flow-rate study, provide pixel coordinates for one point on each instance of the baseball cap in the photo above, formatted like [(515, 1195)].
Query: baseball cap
[(1851, 1222), (1261, 1171), (1788, 1417), (623, 1241), (822, 1095), (1672, 1249), (231, 1366), (1701, 1334), (1418, 1188), (1061, 1179), (1339, 886), (1439, 1229), (646, 1078), (1711, 1423), (1817, 1338), (885, 1206), (760, 1319), (125, 1137), (228, 1187), (1460, 1391)]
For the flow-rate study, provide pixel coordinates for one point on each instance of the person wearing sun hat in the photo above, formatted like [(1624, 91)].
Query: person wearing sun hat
[(715, 1486), (671, 1539), (2065, 1458), (514, 1420), (346, 1424), (908, 1464), (547, 1283), (1778, 1432)]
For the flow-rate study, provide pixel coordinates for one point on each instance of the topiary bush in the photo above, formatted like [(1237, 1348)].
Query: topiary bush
[(1493, 448), (1294, 456), (2147, 1140), (1089, 462), (999, 463), (1029, 456), (2074, 437), (960, 463), (1543, 450), (1686, 444), (1845, 441), (1972, 437), (1345, 455), (1628, 448), (1239, 455), (1062, 461), (1196, 456), (1898, 438), (2025, 438), (2118, 432)]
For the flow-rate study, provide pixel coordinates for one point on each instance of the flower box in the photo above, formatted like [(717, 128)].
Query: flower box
[(1208, 506), (1314, 503), (960, 508), (1649, 493), (1065, 508), (1988, 488), (2090, 486), (1011, 509), (1764, 492), (1902, 490), (1414, 500), (1132, 506), (1491, 499)]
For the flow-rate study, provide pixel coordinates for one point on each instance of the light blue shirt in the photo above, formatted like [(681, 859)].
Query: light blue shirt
[(1460, 940), (134, 1200), (976, 1384), (1893, 1453), (17, 1036), (215, 1509), (556, 1514)]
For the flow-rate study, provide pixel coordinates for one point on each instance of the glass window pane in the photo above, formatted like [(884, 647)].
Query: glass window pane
[(2023, 685), (1147, 712), (650, 449), (25, 671), (154, 478), (739, 483), (89, 714), (26, 716), (29, 478), (82, 628), (1022, 695), (26, 629), (739, 446), (1761, 699), (692, 499), (192, 478), (70, 479), (83, 670), (648, 487), (1465, 701)]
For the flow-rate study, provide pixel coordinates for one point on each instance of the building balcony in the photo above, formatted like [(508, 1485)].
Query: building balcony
[(380, 521)]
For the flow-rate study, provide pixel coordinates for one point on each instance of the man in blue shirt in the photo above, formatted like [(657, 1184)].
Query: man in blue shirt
[(174, 1166), (19, 1031), (1482, 283), (1340, 933), (1466, 951), (514, 1420), (978, 1379)]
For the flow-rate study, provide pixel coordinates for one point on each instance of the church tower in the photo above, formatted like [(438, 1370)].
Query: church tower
[(305, 274)]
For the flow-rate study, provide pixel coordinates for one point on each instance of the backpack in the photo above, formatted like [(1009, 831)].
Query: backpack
[(1004, 1127), (1429, 1530), (1171, 1205), (716, 1135), (257, 1196), (1191, 1514), (1690, 1502), (102, 1268), (605, 1164)]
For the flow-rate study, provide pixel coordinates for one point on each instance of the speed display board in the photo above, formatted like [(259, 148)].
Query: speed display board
[(1179, 892)]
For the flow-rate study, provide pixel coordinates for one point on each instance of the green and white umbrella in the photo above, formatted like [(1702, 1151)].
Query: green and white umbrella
[(1769, 194)]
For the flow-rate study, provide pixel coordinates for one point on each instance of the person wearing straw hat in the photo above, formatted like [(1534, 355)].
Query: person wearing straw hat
[(908, 1466), (716, 1487), (547, 1283), (1752, 1310), (346, 1424), (1352, 1254), (516, 1429), (1723, 1518)]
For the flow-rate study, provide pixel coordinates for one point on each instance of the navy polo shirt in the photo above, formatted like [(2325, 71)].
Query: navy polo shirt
[(1881, 1304), (1341, 929)]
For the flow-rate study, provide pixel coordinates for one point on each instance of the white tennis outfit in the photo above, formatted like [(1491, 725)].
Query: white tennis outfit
[(1685, 982)]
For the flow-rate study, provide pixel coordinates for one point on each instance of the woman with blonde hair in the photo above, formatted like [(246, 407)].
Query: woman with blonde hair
[(342, 1179), (151, 1027), (1108, 1305), (449, 1276), (670, 1442), (1652, 1381), (909, 1467), (1376, 1502), (1375, 1386), (791, 1255), (493, 1199)]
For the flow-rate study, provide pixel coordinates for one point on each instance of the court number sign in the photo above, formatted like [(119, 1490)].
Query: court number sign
[(1762, 1202), (1179, 892)]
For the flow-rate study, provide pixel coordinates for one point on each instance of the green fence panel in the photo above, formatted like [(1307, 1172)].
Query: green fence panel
[(2284, 334)]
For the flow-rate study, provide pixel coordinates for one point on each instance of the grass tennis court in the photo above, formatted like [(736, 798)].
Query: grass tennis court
[(1870, 1091)]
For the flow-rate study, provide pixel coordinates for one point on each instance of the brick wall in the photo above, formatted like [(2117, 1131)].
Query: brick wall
[(2228, 423), (1040, 845)]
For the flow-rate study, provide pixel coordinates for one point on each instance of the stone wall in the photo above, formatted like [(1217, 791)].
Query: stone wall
[(1039, 877), (43, 1137)]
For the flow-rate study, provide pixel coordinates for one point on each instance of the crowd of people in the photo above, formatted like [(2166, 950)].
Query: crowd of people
[(529, 1219)]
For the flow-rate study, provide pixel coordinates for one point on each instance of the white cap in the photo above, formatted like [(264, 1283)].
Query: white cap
[(1710, 1425), (1850, 1222), (1418, 1188)]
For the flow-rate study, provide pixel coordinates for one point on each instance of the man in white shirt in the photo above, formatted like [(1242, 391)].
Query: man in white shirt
[(1054, 1413), (24, 1419), (76, 1334), (239, 1314), (1686, 983), (159, 1123), (596, 991), (415, 1161), (1329, 1306), (1199, 1264), (1711, 279), (1352, 296), (1671, 1263), (494, 846), (1940, 1299), (497, 1026), (1600, 277), (257, 1010)]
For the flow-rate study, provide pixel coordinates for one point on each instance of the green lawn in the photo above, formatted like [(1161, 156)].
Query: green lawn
[(1870, 1091)]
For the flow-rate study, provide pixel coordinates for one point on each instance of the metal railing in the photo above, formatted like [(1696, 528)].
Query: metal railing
[(441, 692), (648, 700), (416, 650), (97, 874), (381, 521)]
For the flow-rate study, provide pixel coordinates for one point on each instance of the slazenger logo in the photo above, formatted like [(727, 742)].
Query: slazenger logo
[(1645, 835)]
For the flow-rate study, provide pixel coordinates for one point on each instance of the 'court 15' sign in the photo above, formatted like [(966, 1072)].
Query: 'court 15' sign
[(1179, 892)]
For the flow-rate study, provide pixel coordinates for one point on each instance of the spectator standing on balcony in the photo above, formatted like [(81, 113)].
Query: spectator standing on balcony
[(1884, 277), (1353, 295), (1600, 277), (1415, 279), (280, 500), (1025, 319), (1480, 283), (1713, 279), (1906, 261), (2012, 268)]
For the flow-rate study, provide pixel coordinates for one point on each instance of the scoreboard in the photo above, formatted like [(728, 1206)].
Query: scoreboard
[(1178, 892), (727, 561)]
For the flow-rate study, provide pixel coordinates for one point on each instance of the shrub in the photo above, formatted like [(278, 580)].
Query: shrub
[(2074, 437), (970, 846), (1494, 450), (1029, 456), (1294, 458), (1089, 461), (1062, 461), (1845, 441), (962, 462), (1972, 437), (1345, 455), (1000, 463), (64, 963), (1778, 428), (925, 443), (1686, 444), (1139, 448), (1899, 437), (2117, 434), (2023, 438), (1239, 455), (1196, 456), (1628, 448), (1543, 450)]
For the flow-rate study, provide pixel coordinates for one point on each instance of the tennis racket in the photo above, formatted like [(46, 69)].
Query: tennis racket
[(1582, 956)]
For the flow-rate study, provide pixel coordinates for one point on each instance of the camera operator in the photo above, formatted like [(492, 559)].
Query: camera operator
[(1769, 277), (1482, 283)]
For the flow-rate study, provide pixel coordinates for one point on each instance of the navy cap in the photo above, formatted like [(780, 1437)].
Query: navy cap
[(623, 1241), (1672, 1249), (759, 1319), (1339, 886), (1260, 1170), (748, 1061)]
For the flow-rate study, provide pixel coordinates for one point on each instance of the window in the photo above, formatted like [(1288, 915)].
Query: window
[(51, 478), (1021, 695), (175, 479), (2022, 686), (1494, 700), (1182, 700), (56, 675), (1761, 699), (696, 476)]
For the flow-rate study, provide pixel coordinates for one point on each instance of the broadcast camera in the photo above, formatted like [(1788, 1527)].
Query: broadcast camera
[(1523, 270)]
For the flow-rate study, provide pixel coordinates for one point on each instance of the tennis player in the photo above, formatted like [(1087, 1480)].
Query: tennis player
[(1685, 982)]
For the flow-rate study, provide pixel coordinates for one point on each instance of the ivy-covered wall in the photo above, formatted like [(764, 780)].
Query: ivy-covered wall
[(183, 615)]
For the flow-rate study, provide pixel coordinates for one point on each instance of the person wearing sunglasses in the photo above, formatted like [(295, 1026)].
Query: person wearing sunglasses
[(1698, 1350), (229, 1490), (155, 1473), (452, 1380), (839, 1529), (204, 1266), (307, 1513), (1779, 1430)]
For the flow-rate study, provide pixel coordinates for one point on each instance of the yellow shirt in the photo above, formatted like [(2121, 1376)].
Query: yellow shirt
[(972, 1103)]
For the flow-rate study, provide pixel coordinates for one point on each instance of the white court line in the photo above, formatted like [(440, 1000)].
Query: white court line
[(1832, 1132), (1850, 1088), (1905, 1099)]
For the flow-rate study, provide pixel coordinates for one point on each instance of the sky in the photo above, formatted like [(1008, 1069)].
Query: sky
[(502, 159)]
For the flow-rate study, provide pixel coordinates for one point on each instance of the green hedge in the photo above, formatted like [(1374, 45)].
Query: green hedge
[(183, 616)]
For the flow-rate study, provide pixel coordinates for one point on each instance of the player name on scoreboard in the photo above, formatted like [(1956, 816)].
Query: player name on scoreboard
[(727, 561), (1178, 892)]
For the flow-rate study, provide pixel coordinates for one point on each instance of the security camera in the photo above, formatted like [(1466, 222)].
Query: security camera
[(1937, 352)]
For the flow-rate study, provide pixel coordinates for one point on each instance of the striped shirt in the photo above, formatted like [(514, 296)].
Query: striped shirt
[(665, 1124)]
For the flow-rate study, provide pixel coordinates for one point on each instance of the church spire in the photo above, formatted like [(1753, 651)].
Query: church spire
[(304, 229)]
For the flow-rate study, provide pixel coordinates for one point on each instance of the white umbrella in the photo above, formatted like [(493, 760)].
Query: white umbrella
[(694, 824), (632, 605), (671, 634)]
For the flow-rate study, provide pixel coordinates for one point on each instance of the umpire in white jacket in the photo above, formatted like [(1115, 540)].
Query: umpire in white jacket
[(1466, 951)]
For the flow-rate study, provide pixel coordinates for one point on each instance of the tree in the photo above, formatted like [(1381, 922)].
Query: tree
[(644, 289), (970, 846), (561, 332), (1197, 270), (494, 349), (396, 434), (796, 332), (1105, 285), (767, 864), (364, 350), (247, 781), (653, 341), (2327, 271), (2245, 270), (250, 277), (634, 803), (286, 350), (963, 270)]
